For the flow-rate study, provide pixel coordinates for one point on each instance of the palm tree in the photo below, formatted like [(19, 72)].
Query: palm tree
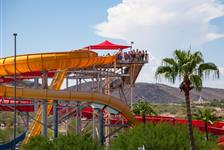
[(190, 68), (143, 108), (208, 117)]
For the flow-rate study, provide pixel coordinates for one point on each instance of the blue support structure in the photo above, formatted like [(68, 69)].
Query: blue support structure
[(101, 126), (55, 119), (10, 145)]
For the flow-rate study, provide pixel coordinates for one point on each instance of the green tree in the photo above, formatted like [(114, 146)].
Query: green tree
[(162, 136), (208, 117), (190, 68), (143, 108)]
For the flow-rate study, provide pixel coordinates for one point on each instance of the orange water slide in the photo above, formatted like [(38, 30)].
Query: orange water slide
[(53, 61), (44, 94), (60, 61)]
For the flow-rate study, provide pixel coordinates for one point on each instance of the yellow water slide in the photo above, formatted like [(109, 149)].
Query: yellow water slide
[(44, 94), (60, 61), (52, 61)]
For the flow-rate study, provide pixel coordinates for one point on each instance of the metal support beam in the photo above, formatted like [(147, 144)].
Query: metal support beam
[(66, 122), (67, 82), (100, 127), (36, 83), (93, 119), (78, 118), (55, 119), (44, 118), (131, 84), (78, 111), (15, 117), (44, 104), (98, 82), (27, 120)]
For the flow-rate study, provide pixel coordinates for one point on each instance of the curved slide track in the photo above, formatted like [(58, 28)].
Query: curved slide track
[(60, 62), (43, 95), (53, 61)]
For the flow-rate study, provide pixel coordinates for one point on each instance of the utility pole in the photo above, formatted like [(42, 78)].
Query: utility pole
[(14, 142), (131, 78)]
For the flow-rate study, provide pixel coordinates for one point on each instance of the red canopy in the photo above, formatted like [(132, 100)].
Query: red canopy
[(107, 45)]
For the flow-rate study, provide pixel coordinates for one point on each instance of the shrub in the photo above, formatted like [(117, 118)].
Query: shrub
[(68, 142), (160, 137)]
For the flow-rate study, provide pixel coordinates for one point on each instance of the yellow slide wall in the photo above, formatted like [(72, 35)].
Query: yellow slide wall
[(42, 94), (53, 61), (58, 61)]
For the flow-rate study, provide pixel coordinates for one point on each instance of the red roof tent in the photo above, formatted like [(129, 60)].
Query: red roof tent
[(107, 45)]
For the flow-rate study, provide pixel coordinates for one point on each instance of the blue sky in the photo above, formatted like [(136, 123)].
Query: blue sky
[(50, 25), (54, 25)]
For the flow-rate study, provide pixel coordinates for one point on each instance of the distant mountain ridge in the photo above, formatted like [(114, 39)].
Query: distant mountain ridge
[(161, 93), (158, 93)]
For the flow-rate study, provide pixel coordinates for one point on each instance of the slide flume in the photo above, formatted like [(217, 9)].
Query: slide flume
[(43, 94), (53, 61), (58, 61)]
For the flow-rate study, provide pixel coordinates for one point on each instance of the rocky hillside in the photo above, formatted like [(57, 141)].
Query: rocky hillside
[(161, 93), (158, 93)]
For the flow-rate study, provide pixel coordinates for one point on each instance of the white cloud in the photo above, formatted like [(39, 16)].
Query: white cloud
[(162, 26), (212, 36), (221, 69)]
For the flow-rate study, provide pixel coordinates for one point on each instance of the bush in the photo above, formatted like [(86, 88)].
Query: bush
[(68, 142), (160, 137)]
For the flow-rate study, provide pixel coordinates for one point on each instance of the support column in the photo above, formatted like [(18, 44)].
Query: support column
[(36, 83), (107, 115), (27, 120), (122, 120), (66, 83), (93, 113), (78, 120), (66, 122), (78, 111), (44, 104), (101, 126), (98, 81), (131, 84), (131, 96), (55, 119), (93, 119)]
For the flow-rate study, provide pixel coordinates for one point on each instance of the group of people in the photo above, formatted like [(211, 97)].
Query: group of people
[(133, 55)]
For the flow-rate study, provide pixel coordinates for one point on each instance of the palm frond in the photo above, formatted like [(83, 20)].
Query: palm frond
[(206, 69), (143, 108), (181, 56), (196, 81), (166, 71), (206, 115), (198, 57), (187, 64), (169, 62), (163, 69)]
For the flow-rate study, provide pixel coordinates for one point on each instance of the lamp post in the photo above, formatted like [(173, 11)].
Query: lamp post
[(14, 34), (132, 42), (131, 79)]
